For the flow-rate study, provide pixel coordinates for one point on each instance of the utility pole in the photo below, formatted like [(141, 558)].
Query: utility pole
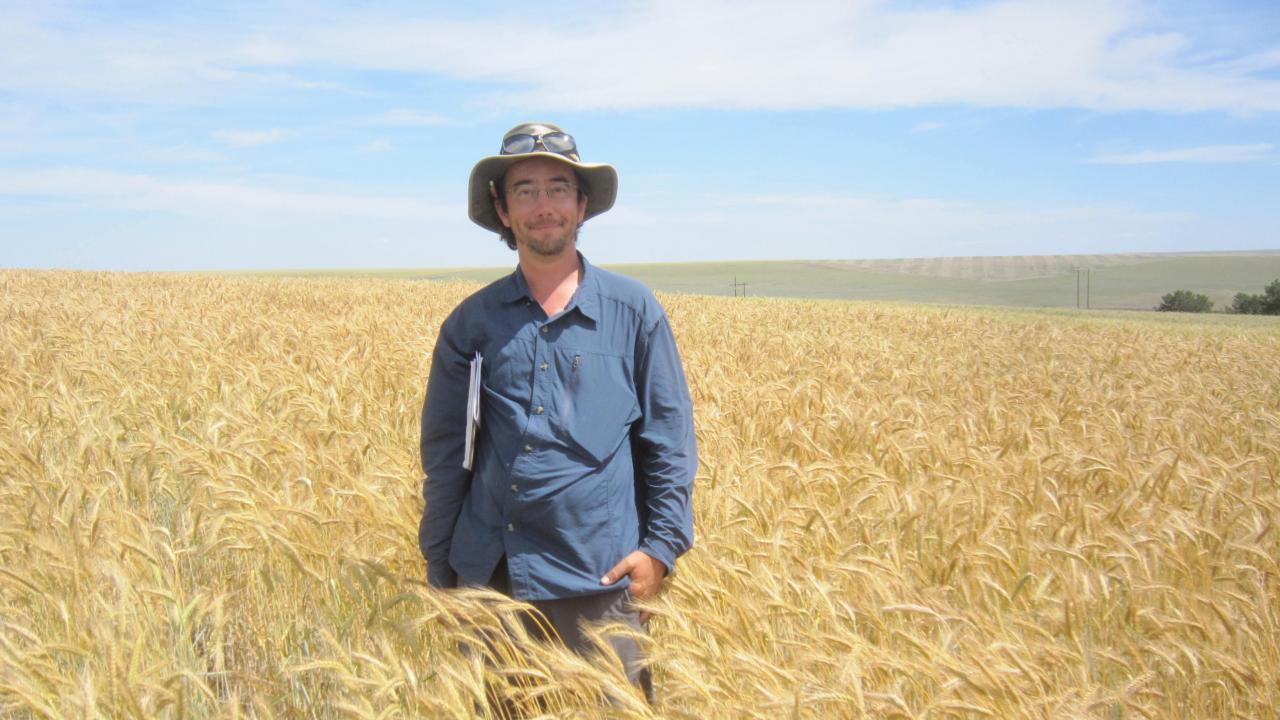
[(1088, 287)]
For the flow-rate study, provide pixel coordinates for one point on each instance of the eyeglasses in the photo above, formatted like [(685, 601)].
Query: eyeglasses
[(555, 192), (556, 142)]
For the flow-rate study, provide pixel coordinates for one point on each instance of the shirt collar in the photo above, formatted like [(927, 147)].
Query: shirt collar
[(514, 288), (586, 299)]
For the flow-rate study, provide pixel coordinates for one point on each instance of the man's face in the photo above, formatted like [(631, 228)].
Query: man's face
[(541, 223)]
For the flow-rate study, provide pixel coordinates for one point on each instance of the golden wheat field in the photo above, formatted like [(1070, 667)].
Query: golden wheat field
[(209, 495)]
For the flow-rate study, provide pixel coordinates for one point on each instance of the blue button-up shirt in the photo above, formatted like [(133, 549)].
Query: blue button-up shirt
[(586, 447)]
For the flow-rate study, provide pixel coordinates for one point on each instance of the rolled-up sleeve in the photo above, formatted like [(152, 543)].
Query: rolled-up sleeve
[(443, 439), (666, 455)]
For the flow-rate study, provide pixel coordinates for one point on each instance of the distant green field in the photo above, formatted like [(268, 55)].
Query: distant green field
[(1117, 282)]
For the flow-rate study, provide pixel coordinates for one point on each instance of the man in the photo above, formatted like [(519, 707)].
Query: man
[(580, 495)]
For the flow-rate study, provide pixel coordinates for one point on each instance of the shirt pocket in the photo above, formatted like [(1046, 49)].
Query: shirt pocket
[(597, 401), (507, 366)]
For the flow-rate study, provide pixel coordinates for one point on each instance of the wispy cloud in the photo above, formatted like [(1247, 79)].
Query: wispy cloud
[(1204, 154), (409, 118), (1034, 53), (374, 147), (223, 201), (182, 153), (926, 127), (1097, 54), (251, 138)]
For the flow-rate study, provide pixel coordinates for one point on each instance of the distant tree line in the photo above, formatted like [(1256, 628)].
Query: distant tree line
[(1268, 303)]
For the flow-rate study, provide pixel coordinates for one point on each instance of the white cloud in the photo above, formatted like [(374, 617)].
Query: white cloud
[(380, 145), (251, 138), (1204, 154), (1033, 53), (222, 201), (926, 127), (182, 153), (409, 118), (1098, 54)]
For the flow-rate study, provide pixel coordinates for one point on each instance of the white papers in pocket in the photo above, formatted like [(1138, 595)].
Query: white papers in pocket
[(473, 412)]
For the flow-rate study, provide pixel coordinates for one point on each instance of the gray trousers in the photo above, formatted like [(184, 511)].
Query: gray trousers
[(567, 615)]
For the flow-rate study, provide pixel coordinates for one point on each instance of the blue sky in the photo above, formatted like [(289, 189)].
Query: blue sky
[(154, 136)]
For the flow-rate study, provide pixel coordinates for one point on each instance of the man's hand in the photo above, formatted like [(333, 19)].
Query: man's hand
[(646, 576)]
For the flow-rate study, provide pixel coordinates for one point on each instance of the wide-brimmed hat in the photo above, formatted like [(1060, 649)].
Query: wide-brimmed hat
[(601, 180)]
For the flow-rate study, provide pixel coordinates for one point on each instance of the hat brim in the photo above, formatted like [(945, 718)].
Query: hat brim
[(601, 181)]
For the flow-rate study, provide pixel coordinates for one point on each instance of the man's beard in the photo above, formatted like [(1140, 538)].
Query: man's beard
[(551, 246)]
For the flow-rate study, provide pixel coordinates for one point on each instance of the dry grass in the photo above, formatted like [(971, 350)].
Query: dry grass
[(209, 496)]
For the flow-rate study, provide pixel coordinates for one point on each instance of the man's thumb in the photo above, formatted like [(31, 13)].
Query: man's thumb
[(615, 574)]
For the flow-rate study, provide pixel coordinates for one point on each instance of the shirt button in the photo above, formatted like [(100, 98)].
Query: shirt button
[(511, 528), (544, 329), (528, 448), (542, 367), (515, 488), (537, 410)]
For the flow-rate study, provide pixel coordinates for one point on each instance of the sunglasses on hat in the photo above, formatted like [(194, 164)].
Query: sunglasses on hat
[(556, 142)]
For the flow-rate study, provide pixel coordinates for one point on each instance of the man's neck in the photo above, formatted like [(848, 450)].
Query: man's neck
[(552, 280)]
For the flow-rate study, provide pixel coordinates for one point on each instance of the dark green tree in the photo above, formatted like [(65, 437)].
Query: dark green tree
[(1247, 304), (1268, 303), (1271, 298), (1185, 301)]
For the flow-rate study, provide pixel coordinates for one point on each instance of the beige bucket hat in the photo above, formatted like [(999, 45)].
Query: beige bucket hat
[(542, 139)]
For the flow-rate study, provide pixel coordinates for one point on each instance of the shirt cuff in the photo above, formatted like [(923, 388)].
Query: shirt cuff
[(662, 553)]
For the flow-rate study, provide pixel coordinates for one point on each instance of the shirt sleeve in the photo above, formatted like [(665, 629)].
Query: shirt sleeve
[(664, 446), (443, 440)]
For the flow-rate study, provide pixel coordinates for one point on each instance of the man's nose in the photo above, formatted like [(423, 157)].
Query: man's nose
[(542, 199)]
